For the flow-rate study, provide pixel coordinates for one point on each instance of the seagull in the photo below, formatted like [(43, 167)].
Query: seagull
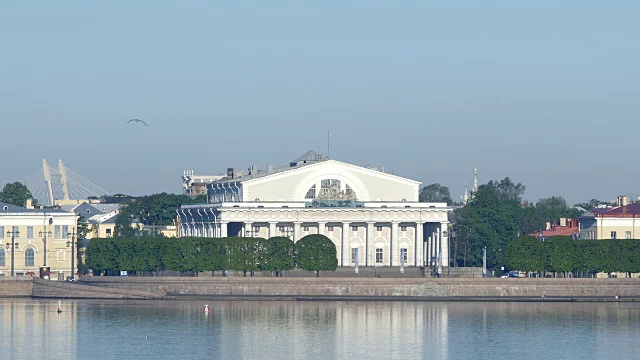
[(138, 120)]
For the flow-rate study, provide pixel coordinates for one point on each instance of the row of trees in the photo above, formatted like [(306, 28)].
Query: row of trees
[(191, 254), (495, 216), (564, 254)]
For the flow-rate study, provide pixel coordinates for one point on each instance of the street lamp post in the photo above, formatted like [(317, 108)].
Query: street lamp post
[(73, 255), (44, 235), (13, 235)]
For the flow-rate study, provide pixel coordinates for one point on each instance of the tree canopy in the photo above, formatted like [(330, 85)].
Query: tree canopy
[(157, 209), (435, 193), (16, 194), (316, 252), (496, 216)]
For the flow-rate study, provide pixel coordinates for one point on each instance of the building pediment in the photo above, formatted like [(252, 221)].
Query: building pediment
[(329, 180)]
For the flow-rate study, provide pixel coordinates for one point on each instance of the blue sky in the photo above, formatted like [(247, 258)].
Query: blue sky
[(545, 92)]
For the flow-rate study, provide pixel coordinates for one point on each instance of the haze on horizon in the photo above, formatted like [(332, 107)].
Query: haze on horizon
[(544, 92)]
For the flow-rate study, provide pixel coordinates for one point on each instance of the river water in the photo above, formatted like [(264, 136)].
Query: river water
[(95, 329)]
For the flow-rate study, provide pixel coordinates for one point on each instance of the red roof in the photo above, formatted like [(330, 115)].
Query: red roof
[(631, 210)]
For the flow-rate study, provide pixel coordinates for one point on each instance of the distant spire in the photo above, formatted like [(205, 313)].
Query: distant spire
[(475, 180), (465, 197)]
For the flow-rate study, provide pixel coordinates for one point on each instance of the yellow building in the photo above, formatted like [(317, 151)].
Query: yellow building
[(620, 222), (34, 238)]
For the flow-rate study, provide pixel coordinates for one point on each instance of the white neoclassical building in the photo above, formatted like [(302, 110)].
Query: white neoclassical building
[(372, 217)]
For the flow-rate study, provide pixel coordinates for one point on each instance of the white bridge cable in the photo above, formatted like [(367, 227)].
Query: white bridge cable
[(79, 187)]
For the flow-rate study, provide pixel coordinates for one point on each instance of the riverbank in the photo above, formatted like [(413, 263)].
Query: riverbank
[(323, 289)]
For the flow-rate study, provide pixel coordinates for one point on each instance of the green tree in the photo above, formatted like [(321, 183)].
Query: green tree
[(507, 189), (526, 253), (16, 194), (157, 209), (279, 255), (316, 253), (102, 255), (435, 193), (488, 221)]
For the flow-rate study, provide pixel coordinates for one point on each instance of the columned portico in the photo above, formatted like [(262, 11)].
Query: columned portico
[(380, 240)]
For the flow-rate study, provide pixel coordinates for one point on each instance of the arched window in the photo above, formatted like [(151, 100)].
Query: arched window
[(311, 193), (331, 189), (2, 257), (29, 257)]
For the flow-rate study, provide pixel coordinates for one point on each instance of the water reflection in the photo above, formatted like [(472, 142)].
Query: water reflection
[(315, 330)]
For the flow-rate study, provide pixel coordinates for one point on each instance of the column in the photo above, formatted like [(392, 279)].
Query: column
[(322, 227), (345, 248), (419, 246), (369, 244), (223, 229), (296, 230), (247, 229), (393, 244), (445, 245), (272, 229)]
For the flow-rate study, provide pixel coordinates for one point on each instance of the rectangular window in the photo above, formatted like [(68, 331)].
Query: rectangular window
[(281, 229), (65, 231), (256, 229), (403, 255), (354, 228), (614, 235), (16, 231), (329, 228), (2, 257), (627, 235), (30, 232), (403, 228), (1, 232), (305, 228), (56, 232), (379, 228), (354, 255), (61, 255), (108, 233), (379, 257), (29, 257)]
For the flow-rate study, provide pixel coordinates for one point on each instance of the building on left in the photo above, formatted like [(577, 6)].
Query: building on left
[(35, 238)]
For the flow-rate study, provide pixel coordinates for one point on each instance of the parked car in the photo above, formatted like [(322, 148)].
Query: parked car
[(511, 274)]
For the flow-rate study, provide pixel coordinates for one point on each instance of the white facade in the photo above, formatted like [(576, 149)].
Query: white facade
[(368, 214)]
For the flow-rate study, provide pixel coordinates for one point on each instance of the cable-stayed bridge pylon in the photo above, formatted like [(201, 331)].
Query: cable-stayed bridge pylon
[(49, 184)]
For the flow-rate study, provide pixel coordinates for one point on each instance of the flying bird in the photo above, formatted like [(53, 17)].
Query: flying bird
[(138, 120)]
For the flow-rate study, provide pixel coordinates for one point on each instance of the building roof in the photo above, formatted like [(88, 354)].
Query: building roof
[(631, 210), (307, 159), (8, 208)]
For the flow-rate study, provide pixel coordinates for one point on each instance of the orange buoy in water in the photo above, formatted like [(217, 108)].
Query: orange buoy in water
[(206, 309)]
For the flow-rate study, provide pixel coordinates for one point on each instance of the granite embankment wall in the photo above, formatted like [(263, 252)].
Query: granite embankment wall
[(375, 287), (369, 288), (16, 287), (75, 290)]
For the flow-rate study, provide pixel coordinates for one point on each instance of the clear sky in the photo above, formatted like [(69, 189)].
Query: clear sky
[(545, 92)]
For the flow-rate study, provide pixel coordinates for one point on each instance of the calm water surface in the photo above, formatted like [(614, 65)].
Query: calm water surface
[(91, 329)]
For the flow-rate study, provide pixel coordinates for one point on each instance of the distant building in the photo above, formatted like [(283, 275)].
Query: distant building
[(35, 231), (101, 218), (194, 185), (373, 218), (619, 222), (559, 227)]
